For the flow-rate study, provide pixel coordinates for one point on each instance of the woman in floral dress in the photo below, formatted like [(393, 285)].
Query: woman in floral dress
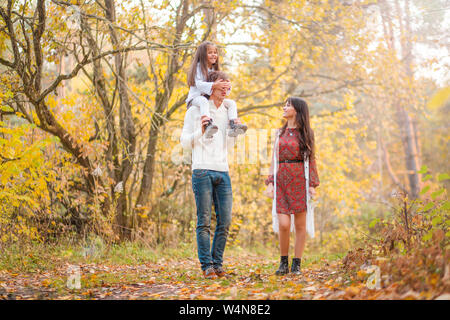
[(295, 142)]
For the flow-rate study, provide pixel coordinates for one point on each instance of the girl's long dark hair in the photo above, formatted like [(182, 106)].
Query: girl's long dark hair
[(201, 56), (307, 146)]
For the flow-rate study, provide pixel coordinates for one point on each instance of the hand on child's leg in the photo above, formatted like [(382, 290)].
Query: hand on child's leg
[(205, 121), (208, 127)]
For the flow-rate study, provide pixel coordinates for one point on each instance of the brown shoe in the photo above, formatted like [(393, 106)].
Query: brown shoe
[(219, 271), (209, 273)]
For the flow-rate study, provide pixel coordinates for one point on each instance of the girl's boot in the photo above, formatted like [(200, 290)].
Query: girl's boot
[(284, 266), (295, 267)]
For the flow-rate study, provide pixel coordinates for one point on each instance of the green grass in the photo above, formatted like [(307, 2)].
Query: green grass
[(32, 257), (37, 256)]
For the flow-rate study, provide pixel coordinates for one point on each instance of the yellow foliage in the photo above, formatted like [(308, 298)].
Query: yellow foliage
[(438, 100)]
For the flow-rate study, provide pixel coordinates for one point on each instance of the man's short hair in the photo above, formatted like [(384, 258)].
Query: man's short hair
[(213, 76)]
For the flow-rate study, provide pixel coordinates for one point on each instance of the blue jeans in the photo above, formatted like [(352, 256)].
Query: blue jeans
[(212, 187)]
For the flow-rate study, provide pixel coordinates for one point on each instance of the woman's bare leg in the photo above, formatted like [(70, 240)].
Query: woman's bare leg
[(300, 234), (284, 221)]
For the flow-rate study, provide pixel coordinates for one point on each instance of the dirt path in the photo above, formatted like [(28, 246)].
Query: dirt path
[(249, 278)]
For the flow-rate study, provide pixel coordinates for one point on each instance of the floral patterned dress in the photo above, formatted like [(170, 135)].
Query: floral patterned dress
[(291, 185)]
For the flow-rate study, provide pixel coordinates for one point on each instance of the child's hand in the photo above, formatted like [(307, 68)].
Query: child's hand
[(221, 84)]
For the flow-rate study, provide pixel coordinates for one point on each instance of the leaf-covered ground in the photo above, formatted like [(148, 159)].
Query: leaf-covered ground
[(248, 277)]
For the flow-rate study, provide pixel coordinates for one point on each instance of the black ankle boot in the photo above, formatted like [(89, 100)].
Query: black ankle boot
[(295, 267), (284, 266)]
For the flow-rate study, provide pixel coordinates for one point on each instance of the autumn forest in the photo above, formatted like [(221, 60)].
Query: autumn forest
[(94, 181)]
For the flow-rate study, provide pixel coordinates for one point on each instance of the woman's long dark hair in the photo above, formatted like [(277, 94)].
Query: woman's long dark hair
[(303, 126), (201, 56)]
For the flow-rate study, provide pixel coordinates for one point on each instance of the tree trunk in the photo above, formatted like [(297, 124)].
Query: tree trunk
[(149, 164), (127, 127), (161, 113), (404, 119), (411, 154), (409, 136)]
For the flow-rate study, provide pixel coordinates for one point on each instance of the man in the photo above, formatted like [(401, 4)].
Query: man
[(210, 179)]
